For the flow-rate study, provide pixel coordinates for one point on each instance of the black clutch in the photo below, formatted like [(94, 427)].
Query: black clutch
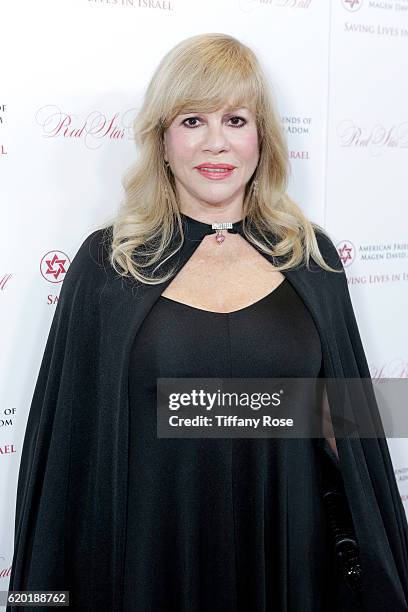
[(340, 521)]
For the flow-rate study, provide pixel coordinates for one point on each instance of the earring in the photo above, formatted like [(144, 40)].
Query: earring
[(166, 192)]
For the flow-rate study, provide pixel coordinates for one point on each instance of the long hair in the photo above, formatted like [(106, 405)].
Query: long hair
[(201, 74)]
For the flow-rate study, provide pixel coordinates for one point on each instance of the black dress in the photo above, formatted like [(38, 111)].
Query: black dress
[(212, 522)]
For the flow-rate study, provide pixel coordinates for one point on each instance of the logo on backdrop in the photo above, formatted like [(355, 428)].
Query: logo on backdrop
[(394, 368), (7, 449), (249, 5), (94, 127), (375, 252), (54, 266), (4, 571), (352, 5), (4, 280), (347, 252)]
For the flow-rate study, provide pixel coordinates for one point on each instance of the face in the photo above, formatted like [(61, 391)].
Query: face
[(225, 137)]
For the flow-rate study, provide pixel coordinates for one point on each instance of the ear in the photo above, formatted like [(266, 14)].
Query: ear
[(164, 147)]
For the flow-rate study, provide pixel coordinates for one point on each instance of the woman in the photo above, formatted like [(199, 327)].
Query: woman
[(126, 520)]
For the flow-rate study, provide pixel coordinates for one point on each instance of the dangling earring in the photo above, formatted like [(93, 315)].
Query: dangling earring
[(255, 187), (166, 192)]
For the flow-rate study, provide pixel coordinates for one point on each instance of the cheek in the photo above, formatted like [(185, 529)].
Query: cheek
[(181, 144), (248, 145)]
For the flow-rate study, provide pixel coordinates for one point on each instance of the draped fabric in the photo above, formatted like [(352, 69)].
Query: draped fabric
[(209, 526), (72, 493)]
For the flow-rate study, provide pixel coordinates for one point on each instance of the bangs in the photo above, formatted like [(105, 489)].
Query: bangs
[(206, 84), (231, 94)]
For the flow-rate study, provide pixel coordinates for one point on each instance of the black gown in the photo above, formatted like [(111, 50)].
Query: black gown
[(211, 522)]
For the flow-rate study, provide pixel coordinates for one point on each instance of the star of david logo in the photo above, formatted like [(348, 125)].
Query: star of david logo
[(346, 252), (54, 266), (352, 5)]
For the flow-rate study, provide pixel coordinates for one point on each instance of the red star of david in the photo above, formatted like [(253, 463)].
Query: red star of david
[(345, 253), (55, 262)]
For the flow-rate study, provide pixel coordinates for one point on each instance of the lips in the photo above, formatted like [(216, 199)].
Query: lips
[(211, 166), (218, 173)]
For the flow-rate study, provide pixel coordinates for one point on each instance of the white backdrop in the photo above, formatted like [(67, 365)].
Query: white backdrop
[(72, 76)]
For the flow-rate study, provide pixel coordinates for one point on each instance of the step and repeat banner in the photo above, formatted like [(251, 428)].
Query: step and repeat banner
[(72, 78)]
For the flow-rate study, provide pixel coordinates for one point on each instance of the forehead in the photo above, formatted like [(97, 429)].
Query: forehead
[(224, 109)]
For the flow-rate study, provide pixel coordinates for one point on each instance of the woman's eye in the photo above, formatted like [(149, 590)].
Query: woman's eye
[(198, 119), (190, 119), (240, 119)]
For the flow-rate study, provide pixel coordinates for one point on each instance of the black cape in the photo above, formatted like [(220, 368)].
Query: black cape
[(70, 522)]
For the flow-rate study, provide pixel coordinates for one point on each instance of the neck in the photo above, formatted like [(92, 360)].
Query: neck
[(213, 216)]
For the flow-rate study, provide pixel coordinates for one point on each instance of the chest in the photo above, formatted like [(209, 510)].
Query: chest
[(224, 278)]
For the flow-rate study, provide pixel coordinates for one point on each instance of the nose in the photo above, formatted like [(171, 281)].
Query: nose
[(215, 138)]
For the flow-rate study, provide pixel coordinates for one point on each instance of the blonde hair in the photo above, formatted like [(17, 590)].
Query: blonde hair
[(202, 73)]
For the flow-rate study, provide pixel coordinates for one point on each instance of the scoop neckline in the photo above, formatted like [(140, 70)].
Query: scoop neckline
[(231, 312)]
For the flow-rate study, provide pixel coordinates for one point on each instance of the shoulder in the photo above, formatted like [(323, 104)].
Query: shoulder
[(328, 249), (91, 260), (335, 284), (95, 248)]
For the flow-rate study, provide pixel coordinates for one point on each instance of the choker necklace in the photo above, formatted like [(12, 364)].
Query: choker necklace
[(196, 230), (219, 227)]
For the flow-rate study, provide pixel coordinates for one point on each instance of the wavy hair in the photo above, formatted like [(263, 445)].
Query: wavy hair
[(202, 73)]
